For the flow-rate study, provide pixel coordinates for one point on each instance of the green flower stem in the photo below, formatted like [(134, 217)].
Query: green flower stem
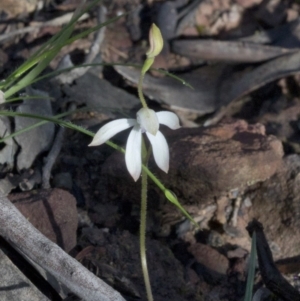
[(143, 228), (156, 181), (140, 91), (148, 63)]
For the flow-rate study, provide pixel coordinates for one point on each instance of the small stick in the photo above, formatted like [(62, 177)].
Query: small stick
[(54, 152), (51, 158), (35, 26)]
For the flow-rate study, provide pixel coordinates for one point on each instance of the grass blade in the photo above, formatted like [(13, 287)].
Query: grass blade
[(251, 271)]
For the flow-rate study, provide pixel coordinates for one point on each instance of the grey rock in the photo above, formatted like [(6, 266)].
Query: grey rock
[(39, 139)]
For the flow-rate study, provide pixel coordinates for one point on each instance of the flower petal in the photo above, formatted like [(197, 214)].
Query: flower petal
[(133, 157), (160, 150), (148, 120), (110, 129), (169, 119)]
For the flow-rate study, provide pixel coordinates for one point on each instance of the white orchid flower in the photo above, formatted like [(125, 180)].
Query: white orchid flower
[(147, 122)]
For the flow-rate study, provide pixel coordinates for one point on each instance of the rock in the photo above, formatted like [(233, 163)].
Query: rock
[(14, 8), (53, 212), (275, 203), (14, 285), (7, 152), (210, 162), (36, 140), (207, 163), (209, 168), (284, 124), (210, 258), (277, 206)]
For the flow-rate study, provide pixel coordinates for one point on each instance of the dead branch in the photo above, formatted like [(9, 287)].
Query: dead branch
[(28, 240), (271, 276)]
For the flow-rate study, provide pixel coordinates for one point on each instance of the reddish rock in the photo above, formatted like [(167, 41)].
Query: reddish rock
[(53, 212), (208, 168), (281, 124), (277, 206), (209, 257), (207, 163)]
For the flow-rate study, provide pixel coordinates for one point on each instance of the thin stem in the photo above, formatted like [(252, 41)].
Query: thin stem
[(158, 183), (147, 64), (143, 230), (140, 90)]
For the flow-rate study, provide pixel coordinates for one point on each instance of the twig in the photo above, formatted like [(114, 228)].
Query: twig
[(35, 26), (99, 36), (52, 155), (51, 158), (25, 238)]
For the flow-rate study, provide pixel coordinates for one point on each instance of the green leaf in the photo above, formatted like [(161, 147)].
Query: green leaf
[(54, 119), (251, 271)]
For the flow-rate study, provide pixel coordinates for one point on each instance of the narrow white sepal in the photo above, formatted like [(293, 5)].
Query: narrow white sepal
[(160, 150), (110, 129), (133, 157), (169, 119)]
